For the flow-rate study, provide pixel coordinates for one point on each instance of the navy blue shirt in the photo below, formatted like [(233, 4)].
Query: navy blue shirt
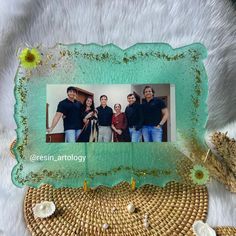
[(152, 113), (134, 116), (104, 115), (72, 112)]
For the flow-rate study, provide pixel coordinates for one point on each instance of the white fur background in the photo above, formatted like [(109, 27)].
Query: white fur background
[(122, 22)]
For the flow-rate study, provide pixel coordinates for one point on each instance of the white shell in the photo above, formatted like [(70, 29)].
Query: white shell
[(105, 226), (145, 221), (44, 209), (131, 208), (145, 224), (113, 209), (202, 229)]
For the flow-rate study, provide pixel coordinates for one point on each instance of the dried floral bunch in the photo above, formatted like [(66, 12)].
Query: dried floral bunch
[(221, 162), (226, 148)]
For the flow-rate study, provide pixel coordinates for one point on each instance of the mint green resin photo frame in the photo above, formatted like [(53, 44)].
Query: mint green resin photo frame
[(110, 163)]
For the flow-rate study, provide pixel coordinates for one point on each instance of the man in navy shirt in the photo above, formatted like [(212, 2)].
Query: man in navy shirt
[(134, 117), (71, 111), (155, 114), (104, 120)]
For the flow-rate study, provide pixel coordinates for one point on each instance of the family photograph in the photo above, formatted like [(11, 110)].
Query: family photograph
[(141, 118)]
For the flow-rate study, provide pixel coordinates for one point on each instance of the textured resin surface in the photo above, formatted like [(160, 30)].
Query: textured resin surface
[(110, 163)]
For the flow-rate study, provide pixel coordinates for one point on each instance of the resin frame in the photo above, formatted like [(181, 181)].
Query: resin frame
[(110, 163)]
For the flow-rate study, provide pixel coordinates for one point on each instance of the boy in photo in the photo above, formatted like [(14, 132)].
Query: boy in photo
[(134, 117), (71, 111), (104, 120)]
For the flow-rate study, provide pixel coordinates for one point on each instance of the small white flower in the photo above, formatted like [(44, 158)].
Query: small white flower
[(202, 229)]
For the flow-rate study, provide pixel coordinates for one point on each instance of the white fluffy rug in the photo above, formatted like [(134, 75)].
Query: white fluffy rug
[(122, 22)]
